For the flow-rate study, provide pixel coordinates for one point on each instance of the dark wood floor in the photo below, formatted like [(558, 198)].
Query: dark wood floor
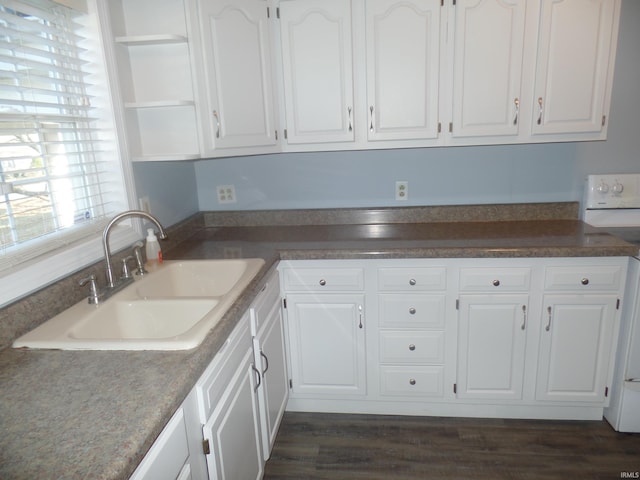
[(329, 446)]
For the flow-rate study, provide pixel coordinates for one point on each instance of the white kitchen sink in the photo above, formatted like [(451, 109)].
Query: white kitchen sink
[(171, 308)]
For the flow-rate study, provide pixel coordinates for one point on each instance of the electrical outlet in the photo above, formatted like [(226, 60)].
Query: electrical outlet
[(402, 190), (226, 193), (144, 204)]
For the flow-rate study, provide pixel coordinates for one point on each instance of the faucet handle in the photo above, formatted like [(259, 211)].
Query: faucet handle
[(94, 296), (125, 268), (137, 252)]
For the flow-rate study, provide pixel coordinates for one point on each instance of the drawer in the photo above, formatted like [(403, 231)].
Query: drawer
[(416, 347), (408, 310), (495, 279), (420, 381), (264, 303), (583, 278), (412, 279), (213, 382), (323, 279)]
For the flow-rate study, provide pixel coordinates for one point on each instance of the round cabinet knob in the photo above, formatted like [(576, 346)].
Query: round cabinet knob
[(617, 188), (496, 283), (602, 187), (412, 311), (584, 281), (323, 282), (412, 381), (412, 347), (412, 281)]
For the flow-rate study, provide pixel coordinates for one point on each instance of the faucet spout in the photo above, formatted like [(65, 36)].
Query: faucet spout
[(107, 231)]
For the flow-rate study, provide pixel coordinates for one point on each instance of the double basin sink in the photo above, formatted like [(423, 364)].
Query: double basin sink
[(171, 308)]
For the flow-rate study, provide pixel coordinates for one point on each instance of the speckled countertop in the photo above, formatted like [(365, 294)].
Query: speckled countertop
[(93, 415)]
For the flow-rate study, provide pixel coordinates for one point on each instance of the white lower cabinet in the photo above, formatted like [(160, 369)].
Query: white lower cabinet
[(514, 338), (492, 334)]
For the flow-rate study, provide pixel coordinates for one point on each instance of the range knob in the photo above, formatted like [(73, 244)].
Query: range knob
[(602, 187), (617, 187)]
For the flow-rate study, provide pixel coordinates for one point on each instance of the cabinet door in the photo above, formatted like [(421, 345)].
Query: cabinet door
[(491, 345), (274, 390), (237, 67), (318, 70), (327, 344), (574, 46), (403, 54), (575, 346), (488, 54), (233, 430)]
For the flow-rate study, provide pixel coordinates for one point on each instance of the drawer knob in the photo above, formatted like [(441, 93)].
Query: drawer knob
[(585, 281), (412, 381), (412, 311), (496, 283), (412, 281), (412, 347), (323, 282)]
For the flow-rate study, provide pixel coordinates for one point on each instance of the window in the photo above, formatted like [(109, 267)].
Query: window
[(60, 174)]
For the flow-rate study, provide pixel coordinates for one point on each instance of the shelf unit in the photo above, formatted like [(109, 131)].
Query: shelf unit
[(153, 60)]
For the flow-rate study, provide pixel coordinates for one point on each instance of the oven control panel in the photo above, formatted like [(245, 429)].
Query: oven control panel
[(612, 191)]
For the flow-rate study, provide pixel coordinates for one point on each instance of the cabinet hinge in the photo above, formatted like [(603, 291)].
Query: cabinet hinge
[(618, 304), (440, 124), (276, 135), (604, 120), (268, 13), (442, 3), (606, 392), (285, 133), (206, 447), (277, 12), (284, 302), (455, 388), (290, 383), (450, 127), (457, 304)]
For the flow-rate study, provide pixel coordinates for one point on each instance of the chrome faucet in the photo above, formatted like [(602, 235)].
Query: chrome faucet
[(111, 284)]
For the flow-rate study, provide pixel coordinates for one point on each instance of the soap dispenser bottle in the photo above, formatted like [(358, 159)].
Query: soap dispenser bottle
[(152, 249)]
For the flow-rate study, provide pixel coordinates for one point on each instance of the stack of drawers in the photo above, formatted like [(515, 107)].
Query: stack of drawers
[(411, 331)]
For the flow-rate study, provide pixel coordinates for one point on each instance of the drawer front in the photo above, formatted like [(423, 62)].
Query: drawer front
[(419, 381), (323, 279), (412, 279), (411, 347), (495, 279), (420, 311), (262, 306), (590, 277)]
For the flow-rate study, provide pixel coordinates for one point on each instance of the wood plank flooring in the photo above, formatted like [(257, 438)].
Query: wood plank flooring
[(372, 447)]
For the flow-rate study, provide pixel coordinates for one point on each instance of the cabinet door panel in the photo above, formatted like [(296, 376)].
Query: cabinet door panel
[(403, 45), (575, 349), (326, 342), (491, 346), (236, 46), (488, 53), (233, 431), (318, 70), (574, 44)]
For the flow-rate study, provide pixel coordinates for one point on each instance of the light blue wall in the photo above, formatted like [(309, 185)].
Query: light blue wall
[(437, 176), (171, 189)]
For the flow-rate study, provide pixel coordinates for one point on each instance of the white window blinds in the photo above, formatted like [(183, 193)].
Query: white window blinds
[(55, 186)]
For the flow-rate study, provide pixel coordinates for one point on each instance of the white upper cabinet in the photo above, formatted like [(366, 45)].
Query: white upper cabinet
[(576, 46), (318, 70), (402, 55), (238, 106), (487, 67)]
